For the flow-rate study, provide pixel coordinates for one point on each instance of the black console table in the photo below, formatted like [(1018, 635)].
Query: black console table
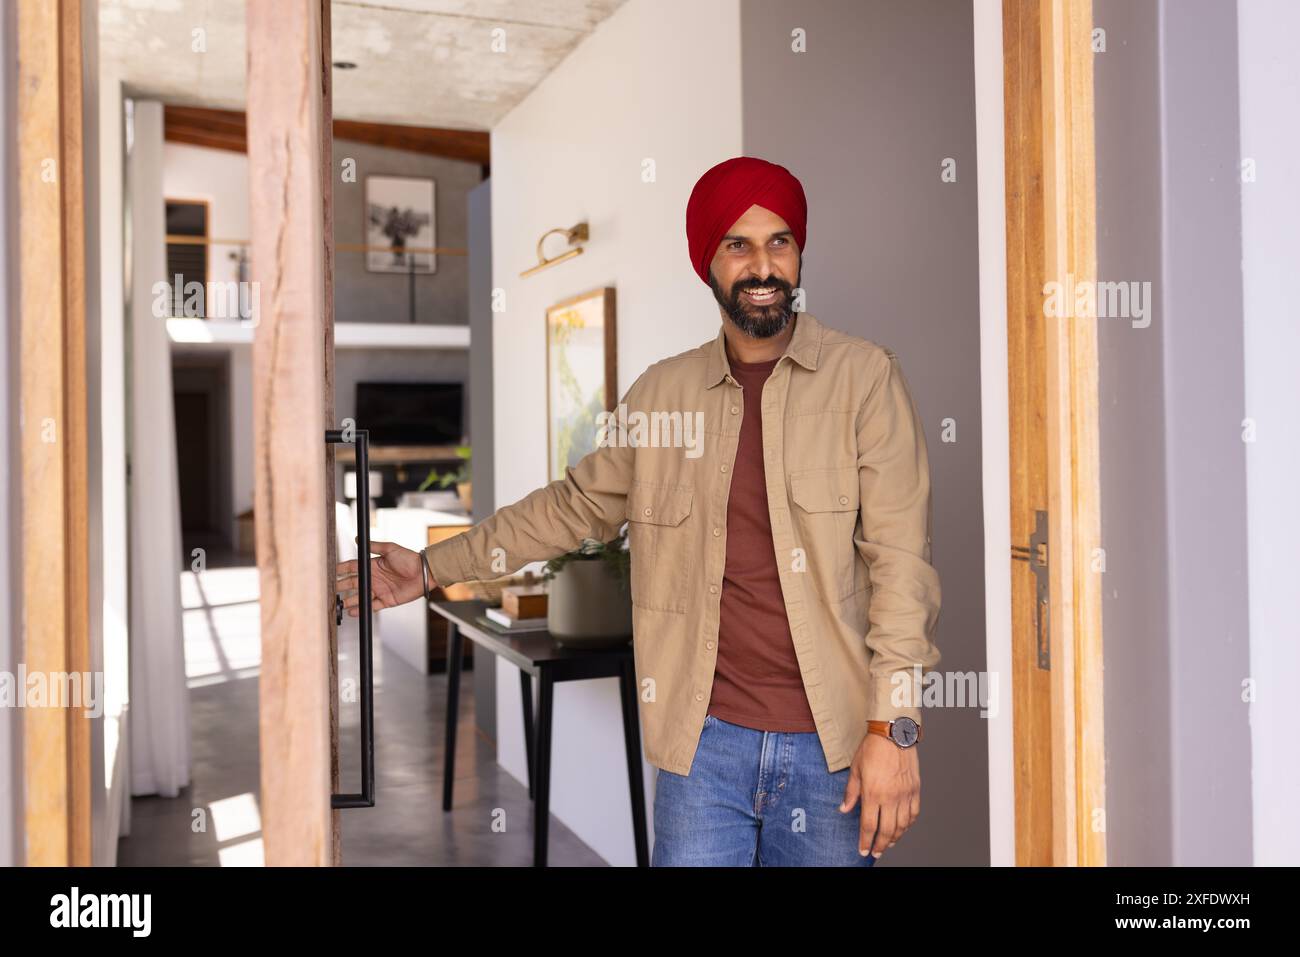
[(536, 653)]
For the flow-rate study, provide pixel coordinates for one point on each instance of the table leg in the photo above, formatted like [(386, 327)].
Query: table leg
[(632, 742), (455, 650), (542, 800), (526, 692)]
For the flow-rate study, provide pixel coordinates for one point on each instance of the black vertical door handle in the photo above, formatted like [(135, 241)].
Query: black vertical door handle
[(361, 439)]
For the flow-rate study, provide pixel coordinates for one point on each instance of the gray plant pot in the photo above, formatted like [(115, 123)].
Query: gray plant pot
[(588, 606)]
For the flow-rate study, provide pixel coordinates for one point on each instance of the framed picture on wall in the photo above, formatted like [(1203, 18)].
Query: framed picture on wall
[(581, 363), (400, 218)]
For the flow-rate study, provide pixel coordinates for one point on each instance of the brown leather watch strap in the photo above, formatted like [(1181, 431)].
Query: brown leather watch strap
[(882, 728)]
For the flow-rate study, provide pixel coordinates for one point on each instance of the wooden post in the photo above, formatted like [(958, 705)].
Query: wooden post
[(286, 135), (52, 353)]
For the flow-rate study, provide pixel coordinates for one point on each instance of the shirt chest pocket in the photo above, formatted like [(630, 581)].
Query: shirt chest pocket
[(825, 517), (659, 538)]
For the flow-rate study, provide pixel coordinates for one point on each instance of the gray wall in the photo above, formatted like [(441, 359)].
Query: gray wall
[(1134, 526), (1172, 460), (884, 93), (393, 365), (361, 296), (1205, 456)]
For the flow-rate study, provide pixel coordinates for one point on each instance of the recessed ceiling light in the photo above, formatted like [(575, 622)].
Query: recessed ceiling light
[(344, 65)]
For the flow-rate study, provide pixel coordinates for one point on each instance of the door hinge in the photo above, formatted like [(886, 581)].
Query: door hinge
[(1037, 557)]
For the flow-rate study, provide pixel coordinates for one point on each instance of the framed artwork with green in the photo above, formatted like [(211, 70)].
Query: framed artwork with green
[(581, 363)]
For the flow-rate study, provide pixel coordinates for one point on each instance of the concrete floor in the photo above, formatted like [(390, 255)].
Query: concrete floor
[(407, 825)]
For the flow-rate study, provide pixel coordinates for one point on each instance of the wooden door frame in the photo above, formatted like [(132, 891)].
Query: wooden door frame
[(1050, 208), (56, 741)]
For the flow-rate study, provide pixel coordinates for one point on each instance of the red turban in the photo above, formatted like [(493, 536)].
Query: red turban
[(725, 192)]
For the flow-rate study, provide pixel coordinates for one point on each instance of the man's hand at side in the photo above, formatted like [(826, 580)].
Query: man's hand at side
[(395, 578), (888, 780)]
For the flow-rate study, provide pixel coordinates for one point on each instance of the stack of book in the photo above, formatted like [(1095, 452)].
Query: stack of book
[(523, 608)]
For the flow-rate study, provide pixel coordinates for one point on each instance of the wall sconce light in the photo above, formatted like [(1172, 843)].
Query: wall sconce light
[(575, 235)]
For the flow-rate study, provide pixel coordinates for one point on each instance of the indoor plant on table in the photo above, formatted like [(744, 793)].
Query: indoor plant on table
[(460, 477), (589, 597)]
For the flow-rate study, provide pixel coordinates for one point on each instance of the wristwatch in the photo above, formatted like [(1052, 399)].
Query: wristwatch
[(904, 732)]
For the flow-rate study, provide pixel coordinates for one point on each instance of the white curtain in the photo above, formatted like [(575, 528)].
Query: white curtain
[(159, 700)]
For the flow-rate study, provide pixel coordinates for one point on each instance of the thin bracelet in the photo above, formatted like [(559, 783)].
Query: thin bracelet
[(424, 569)]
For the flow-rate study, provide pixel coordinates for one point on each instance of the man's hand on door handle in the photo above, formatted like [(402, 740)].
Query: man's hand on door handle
[(395, 578)]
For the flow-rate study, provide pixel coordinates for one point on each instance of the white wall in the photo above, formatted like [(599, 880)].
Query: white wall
[(106, 435), (114, 658), (657, 81), (220, 177), (1269, 87), (11, 591), (994, 402)]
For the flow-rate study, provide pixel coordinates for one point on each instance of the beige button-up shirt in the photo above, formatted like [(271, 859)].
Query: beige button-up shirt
[(848, 489)]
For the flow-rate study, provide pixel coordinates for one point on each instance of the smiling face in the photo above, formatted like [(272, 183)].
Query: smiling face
[(755, 271)]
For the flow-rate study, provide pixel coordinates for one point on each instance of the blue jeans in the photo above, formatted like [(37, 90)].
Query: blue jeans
[(755, 799)]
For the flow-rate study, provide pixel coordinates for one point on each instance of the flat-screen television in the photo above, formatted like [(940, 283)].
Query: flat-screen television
[(411, 413)]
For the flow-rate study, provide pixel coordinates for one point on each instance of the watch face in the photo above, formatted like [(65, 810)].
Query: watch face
[(904, 732)]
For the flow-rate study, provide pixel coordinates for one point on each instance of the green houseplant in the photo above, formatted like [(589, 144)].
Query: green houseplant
[(459, 476), (614, 553)]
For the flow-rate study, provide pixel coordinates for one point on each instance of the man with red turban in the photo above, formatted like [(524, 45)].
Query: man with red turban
[(782, 593), (736, 201)]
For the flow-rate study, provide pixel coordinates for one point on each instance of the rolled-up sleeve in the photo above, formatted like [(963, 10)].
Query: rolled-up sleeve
[(589, 501), (896, 513)]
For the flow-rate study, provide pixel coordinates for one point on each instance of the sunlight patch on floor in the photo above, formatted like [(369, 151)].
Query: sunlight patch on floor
[(222, 624)]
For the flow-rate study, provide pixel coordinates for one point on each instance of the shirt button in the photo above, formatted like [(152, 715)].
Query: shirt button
[(735, 410), (717, 532), (844, 500), (646, 510), (723, 469), (708, 645), (699, 696), (713, 589)]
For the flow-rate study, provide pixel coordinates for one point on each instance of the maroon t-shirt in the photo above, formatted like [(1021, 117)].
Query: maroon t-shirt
[(757, 683)]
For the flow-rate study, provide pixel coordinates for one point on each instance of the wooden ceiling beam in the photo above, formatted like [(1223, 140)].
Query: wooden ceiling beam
[(226, 130)]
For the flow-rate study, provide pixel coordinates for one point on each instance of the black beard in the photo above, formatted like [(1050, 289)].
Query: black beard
[(758, 322)]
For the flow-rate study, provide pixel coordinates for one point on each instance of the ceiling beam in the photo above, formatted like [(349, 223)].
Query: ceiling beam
[(216, 129), (225, 130)]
